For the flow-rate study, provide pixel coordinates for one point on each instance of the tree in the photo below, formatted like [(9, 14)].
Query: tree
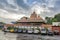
[(57, 17), (54, 20), (49, 20)]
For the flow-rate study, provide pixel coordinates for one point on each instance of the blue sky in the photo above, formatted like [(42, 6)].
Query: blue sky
[(15, 9)]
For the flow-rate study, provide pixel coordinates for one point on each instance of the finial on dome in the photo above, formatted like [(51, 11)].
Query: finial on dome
[(34, 11)]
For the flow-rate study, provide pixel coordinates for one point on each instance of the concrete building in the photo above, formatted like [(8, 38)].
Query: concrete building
[(56, 23), (56, 26)]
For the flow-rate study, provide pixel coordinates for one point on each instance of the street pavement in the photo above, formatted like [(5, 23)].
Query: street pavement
[(20, 36)]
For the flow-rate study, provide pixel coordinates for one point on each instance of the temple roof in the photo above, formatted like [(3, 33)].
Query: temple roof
[(33, 18)]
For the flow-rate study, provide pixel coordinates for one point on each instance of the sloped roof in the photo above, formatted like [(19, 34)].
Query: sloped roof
[(31, 19)]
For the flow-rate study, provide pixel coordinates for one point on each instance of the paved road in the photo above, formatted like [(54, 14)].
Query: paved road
[(15, 36)]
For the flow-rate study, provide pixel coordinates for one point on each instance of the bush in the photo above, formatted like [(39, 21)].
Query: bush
[(9, 28)]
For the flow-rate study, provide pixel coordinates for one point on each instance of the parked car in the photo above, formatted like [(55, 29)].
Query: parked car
[(24, 30), (15, 30), (36, 31), (43, 31), (6, 30), (19, 30), (30, 31), (56, 32), (12, 30), (50, 32)]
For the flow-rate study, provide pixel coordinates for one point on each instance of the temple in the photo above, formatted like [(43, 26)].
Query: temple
[(33, 21)]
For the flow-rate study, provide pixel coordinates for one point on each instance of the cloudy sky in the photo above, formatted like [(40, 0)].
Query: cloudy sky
[(11, 10)]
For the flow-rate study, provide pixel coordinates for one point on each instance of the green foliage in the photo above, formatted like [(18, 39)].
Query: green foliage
[(9, 28), (49, 20), (55, 19)]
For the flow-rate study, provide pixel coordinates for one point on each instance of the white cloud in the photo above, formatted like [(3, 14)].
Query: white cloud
[(25, 1), (6, 14), (18, 12), (39, 9), (11, 2)]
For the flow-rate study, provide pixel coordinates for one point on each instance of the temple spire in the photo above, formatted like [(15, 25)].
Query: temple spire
[(34, 12), (33, 15)]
